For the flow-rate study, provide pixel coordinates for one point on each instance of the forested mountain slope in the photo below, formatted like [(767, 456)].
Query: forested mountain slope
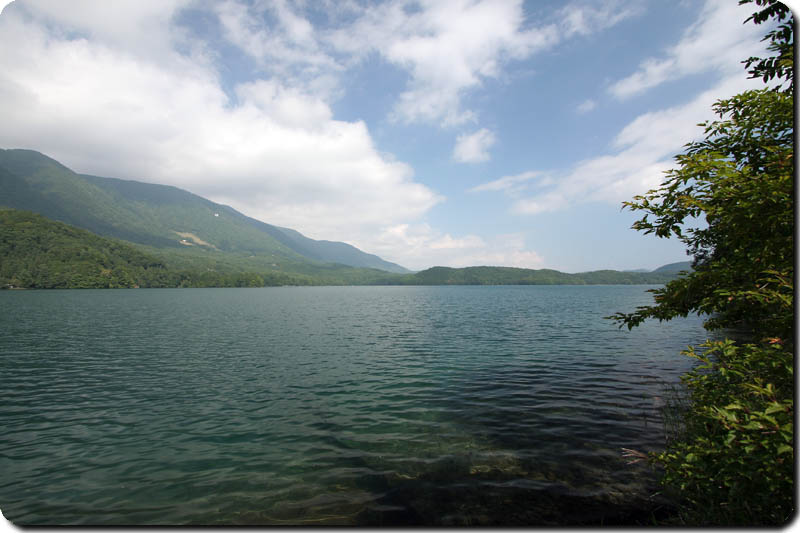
[(36, 252), (39, 253), (159, 216)]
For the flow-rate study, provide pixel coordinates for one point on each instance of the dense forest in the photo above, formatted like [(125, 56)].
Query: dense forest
[(45, 254), (38, 253)]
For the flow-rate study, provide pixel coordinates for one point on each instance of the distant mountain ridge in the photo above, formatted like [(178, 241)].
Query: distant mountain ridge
[(202, 243), (489, 275), (675, 267), (40, 253), (160, 216)]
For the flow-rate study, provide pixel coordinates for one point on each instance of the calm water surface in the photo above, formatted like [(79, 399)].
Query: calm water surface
[(330, 405)]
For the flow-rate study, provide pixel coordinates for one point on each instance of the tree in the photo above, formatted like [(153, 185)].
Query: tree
[(739, 178), (781, 64), (732, 463)]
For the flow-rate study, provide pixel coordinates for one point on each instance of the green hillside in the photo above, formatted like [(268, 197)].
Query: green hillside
[(36, 252), (332, 251), (174, 238), (39, 253), (487, 275), (165, 218)]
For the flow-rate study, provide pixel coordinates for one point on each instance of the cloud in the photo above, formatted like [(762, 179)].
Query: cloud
[(126, 90), (595, 16), (447, 47), (422, 247), (450, 47), (586, 106), (645, 148), (283, 43), (711, 43), (473, 148), (105, 106), (508, 184), (122, 25)]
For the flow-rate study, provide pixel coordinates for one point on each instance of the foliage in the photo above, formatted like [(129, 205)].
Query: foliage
[(732, 463), (740, 179), (39, 253), (781, 40)]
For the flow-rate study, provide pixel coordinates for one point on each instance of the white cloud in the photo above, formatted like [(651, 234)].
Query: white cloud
[(473, 148), (645, 146), (595, 16), (503, 250), (451, 47), (103, 107), (288, 48), (510, 184), (586, 106), (542, 203), (141, 28), (711, 43), (447, 47), (422, 247), (103, 88)]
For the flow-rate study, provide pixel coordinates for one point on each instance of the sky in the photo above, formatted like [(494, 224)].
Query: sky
[(442, 132)]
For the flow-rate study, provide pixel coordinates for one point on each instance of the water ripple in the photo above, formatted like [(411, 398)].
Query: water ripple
[(380, 406)]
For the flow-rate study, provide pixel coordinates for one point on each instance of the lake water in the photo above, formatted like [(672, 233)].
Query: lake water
[(331, 405)]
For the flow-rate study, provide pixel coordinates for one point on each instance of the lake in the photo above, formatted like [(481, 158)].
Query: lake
[(463, 405)]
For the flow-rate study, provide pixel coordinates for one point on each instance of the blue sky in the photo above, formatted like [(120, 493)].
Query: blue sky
[(453, 133)]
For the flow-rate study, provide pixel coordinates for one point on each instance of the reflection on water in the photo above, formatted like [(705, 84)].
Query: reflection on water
[(348, 405)]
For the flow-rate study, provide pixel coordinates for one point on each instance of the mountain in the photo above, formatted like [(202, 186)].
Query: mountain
[(331, 251), (674, 268), (167, 219), (487, 275), (40, 253), (191, 241)]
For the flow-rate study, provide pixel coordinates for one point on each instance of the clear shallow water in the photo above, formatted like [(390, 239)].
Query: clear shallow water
[(330, 405)]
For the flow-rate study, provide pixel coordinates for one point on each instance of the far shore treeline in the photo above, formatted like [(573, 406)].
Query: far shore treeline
[(40, 253)]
